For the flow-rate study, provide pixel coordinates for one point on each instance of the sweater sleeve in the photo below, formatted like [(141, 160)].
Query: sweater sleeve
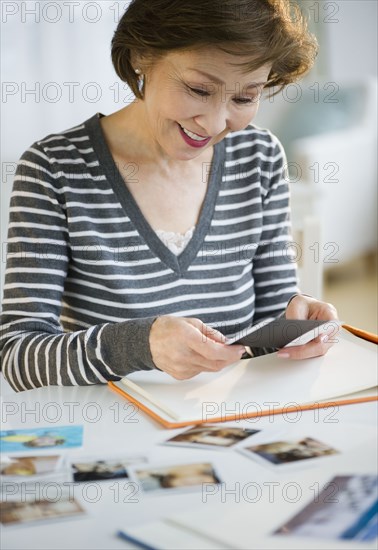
[(274, 264), (35, 350)]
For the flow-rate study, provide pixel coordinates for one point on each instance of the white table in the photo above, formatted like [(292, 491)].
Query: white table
[(112, 427)]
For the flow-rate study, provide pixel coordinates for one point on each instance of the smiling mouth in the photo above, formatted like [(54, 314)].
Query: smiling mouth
[(192, 135)]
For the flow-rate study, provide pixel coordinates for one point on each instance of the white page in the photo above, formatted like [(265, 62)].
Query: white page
[(264, 383), (245, 526), (167, 536)]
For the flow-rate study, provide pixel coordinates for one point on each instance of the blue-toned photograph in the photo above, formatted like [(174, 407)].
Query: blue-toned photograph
[(63, 437), (346, 509)]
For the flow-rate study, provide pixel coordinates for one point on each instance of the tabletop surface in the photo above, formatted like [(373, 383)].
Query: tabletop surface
[(114, 427)]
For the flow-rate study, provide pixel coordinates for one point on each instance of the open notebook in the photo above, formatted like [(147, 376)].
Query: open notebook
[(258, 386)]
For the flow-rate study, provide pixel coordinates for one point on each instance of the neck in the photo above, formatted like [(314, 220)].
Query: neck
[(129, 135)]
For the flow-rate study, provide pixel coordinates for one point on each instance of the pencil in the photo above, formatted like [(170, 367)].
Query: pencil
[(137, 542)]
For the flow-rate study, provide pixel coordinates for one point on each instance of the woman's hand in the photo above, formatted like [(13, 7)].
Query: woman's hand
[(184, 347), (305, 307)]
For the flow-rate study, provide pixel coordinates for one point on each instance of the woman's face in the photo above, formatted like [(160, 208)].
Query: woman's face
[(201, 92)]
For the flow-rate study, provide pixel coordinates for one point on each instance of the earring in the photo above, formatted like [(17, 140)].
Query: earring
[(140, 79)]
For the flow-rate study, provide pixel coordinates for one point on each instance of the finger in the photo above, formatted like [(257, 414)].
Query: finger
[(323, 311), (183, 363), (213, 352), (191, 369), (193, 358), (206, 331), (305, 307), (298, 308), (331, 329), (207, 365), (190, 351), (199, 342), (316, 348)]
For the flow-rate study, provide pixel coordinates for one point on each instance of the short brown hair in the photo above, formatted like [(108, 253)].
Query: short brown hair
[(269, 31)]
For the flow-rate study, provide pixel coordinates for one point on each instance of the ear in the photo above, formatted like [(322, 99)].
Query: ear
[(137, 61), (144, 62)]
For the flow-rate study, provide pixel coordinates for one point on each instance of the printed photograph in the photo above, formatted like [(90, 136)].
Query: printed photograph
[(99, 470), (346, 509), (284, 452), (95, 469), (63, 437), (211, 436), (179, 476), (13, 513), (28, 466)]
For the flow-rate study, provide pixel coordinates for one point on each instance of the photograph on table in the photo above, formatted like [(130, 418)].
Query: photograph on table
[(62, 437), (16, 513), (96, 469), (211, 436), (346, 509), (280, 453), (27, 467), (175, 477)]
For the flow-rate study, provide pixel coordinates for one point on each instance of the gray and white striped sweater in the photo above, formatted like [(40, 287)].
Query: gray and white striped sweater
[(87, 276)]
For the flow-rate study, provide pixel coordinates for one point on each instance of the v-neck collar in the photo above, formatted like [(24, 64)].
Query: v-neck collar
[(179, 263)]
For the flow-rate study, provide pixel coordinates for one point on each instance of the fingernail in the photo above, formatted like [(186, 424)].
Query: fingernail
[(283, 354), (324, 338)]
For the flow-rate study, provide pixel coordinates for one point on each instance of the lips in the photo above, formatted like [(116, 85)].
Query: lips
[(188, 132), (193, 142)]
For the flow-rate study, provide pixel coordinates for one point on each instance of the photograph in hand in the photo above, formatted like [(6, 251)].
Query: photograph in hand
[(278, 333)]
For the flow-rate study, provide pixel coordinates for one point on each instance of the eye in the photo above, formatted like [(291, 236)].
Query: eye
[(252, 100), (246, 100), (202, 93)]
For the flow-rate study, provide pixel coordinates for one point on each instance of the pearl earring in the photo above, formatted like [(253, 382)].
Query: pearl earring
[(140, 79)]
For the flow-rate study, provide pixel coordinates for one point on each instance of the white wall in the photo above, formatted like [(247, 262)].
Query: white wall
[(352, 43), (347, 36), (344, 197), (56, 73)]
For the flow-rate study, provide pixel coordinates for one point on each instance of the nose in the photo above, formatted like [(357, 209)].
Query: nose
[(214, 120)]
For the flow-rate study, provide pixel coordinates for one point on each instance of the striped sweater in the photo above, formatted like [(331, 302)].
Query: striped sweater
[(87, 276)]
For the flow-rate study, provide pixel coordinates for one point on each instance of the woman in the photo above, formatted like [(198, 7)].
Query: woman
[(137, 240)]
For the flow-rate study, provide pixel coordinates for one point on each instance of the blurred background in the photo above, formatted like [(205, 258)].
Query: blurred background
[(56, 72)]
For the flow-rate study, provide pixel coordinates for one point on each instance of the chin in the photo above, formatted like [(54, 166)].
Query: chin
[(189, 155)]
